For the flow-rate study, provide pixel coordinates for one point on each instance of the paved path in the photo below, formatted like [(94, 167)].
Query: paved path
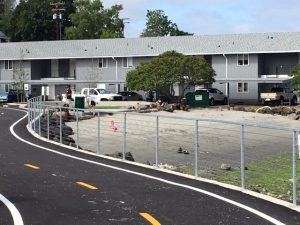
[(57, 186)]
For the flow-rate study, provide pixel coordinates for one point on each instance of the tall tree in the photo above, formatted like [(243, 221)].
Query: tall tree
[(32, 21), (6, 9), (170, 68), (195, 70), (6, 6), (69, 9), (92, 21), (158, 25)]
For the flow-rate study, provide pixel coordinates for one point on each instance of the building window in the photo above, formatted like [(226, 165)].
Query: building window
[(8, 64), (127, 62), (242, 88), (243, 60), (103, 62)]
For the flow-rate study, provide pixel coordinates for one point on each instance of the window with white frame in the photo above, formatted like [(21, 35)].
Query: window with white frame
[(243, 59), (8, 65), (103, 62), (127, 62), (242, 87)]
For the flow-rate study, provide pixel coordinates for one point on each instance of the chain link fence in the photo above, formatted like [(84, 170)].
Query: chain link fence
[(262, 158)]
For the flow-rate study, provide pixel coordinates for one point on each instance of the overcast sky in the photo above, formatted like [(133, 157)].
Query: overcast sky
[(214, 16)]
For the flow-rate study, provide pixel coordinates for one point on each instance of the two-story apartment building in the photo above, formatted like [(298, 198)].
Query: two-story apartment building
[(245, 64)]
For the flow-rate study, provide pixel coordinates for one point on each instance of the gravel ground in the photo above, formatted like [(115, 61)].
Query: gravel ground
[(219, 142)]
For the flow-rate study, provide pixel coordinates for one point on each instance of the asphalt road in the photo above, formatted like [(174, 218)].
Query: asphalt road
[(78, 189)]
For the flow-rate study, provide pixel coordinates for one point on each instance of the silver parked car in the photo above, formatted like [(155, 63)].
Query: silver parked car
[(215, 95), (3, 96)]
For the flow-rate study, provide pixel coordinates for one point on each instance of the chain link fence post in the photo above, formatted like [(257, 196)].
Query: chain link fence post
[(196, 148), (242, 141), (39, 115), (34, 115), (157, 142), (28, 112), (124, 136), (98, 133), (294, 169), (60, 125), (77, 129), (48, 122)]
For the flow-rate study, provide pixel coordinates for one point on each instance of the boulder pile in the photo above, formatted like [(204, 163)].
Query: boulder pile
[(291, 112), (54, 127), (161, 106), (119, 155)]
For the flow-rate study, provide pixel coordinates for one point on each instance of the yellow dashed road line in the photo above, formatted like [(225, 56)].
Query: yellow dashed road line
[(148, 217), (87, 185), (32, 166)]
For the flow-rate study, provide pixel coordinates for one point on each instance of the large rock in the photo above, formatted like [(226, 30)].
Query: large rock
[(119, 155), (64, 114), (265, 110), (225, 166), (283, 110)]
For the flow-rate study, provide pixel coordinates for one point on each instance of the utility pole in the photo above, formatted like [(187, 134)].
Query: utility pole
[(57, 7), (125, 20)]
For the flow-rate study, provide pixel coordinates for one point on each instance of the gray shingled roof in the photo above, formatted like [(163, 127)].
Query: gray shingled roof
[(153, 46)]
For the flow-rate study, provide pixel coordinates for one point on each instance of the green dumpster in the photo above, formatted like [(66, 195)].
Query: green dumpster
[(79, 102), (198, 98)]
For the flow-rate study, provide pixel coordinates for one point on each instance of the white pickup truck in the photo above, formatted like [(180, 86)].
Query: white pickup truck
[(279, 95), (97, 93)]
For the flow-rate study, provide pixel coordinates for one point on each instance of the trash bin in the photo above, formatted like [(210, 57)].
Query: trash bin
[(79, 102), (198, 98)]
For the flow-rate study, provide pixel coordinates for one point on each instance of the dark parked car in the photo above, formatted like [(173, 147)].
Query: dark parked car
[(130, 96), (3, 96), (14, 96)]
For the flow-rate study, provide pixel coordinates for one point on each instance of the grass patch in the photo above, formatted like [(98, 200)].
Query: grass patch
[(271, 176), (186, 169)]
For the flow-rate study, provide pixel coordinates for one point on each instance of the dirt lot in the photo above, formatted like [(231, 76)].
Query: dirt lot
[(219, 140)]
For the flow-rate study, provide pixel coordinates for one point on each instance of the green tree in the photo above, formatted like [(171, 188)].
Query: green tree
[(32, 21), (158, 25), (295, 74), (92, 21), (6, 9), (69, 9), (6, 6), (170, 68), (196, 71)]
